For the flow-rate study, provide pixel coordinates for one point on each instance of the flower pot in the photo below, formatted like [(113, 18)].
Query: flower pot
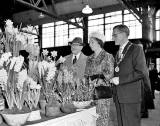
[(15, 119), (42, 104), (68, 108), (81, 104), (52, 111), (35, 115)]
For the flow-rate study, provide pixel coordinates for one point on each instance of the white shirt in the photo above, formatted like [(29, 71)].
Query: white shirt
[(77, 56), (122, 47)]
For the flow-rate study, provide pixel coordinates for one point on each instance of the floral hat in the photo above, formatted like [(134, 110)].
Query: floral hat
[(98, 35)]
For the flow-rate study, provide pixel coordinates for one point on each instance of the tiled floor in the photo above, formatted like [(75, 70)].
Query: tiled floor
[(154, 115)]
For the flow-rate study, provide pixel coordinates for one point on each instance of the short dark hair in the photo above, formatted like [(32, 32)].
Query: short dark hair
[(122, 28)]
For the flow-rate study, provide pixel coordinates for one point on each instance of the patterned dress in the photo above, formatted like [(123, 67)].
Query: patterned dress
[(102, 64)]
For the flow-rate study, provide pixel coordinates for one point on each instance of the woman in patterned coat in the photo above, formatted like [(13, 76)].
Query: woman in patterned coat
[(100, 65)]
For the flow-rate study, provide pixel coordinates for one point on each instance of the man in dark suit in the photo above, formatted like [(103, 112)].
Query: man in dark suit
[(130, 72)]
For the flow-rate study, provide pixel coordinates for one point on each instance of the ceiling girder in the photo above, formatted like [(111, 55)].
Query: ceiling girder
[(48, 13), (136, 13), (133, 6), (53, 7)]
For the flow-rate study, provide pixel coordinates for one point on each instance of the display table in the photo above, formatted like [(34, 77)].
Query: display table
[(86, 117)]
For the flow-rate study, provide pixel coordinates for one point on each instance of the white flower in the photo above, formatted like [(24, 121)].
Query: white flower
[(9, 22), (45, 52), (19, 63), (51, 71), (33, 84), (24, 29), (68, 76), (1, 63), (22, 38), (61, 59), (38, 87), (49, 58), (42, 67), (53, 53), (22, 76), (45, 65), (16, 31), (9, 27), (13, 61), (3, 78), (29, 28), (5, 56)]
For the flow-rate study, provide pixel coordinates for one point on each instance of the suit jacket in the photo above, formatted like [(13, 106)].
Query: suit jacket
[(79, 67), (132, 71)]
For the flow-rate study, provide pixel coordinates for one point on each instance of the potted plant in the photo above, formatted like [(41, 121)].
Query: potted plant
[(19, 89), (48, 72)]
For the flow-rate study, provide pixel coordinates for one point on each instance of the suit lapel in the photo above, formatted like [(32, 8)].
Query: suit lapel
[(126, 48), (127, 52), (79, 59), (124, 52)]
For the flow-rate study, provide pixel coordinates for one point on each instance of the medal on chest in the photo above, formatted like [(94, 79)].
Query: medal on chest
[(116, 69), (119, 59)]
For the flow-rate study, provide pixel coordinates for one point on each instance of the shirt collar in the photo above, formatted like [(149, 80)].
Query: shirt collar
[(77, 56), (123, 46)]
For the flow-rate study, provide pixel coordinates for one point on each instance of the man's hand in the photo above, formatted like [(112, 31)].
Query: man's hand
[(115, 80)]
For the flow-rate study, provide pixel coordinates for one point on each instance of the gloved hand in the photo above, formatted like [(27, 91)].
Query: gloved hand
[(97, 76)]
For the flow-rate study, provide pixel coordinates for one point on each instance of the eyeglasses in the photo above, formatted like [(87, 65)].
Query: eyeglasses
[(76, 45), (115, 35)]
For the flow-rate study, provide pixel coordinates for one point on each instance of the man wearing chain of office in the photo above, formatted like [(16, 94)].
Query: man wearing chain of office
[(129, 73)]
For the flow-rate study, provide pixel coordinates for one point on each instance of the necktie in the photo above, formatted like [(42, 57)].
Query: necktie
[(74, 60)]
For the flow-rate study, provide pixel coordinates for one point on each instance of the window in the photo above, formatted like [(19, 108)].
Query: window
[(61, 33), (96, 22), (35, 31), (158, 25), (133, 24), (112, 19), (74, 31), (48, 35)]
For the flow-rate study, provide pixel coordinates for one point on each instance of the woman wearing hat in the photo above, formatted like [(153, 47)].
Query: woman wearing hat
[(100, 67)]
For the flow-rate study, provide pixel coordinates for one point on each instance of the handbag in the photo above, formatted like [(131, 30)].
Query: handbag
[(102, 92)]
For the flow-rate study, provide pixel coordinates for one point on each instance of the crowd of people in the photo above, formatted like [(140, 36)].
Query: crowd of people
[(127, 72)]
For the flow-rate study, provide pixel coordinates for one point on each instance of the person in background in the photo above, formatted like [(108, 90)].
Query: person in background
[(130, 71), (153, 75), (147, 96), (76, 60), (100, 66)]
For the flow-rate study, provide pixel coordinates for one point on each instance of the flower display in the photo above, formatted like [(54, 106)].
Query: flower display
[(83, 90), (15, 83), (26, 74), (19, 86), (48, 74), (66, 84)]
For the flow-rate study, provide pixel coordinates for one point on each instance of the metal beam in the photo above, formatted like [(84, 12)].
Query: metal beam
[(131, 9), (48, 13), (53, 7)]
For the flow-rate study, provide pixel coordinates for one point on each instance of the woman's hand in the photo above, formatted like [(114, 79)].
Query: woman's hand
[(97, 76)]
